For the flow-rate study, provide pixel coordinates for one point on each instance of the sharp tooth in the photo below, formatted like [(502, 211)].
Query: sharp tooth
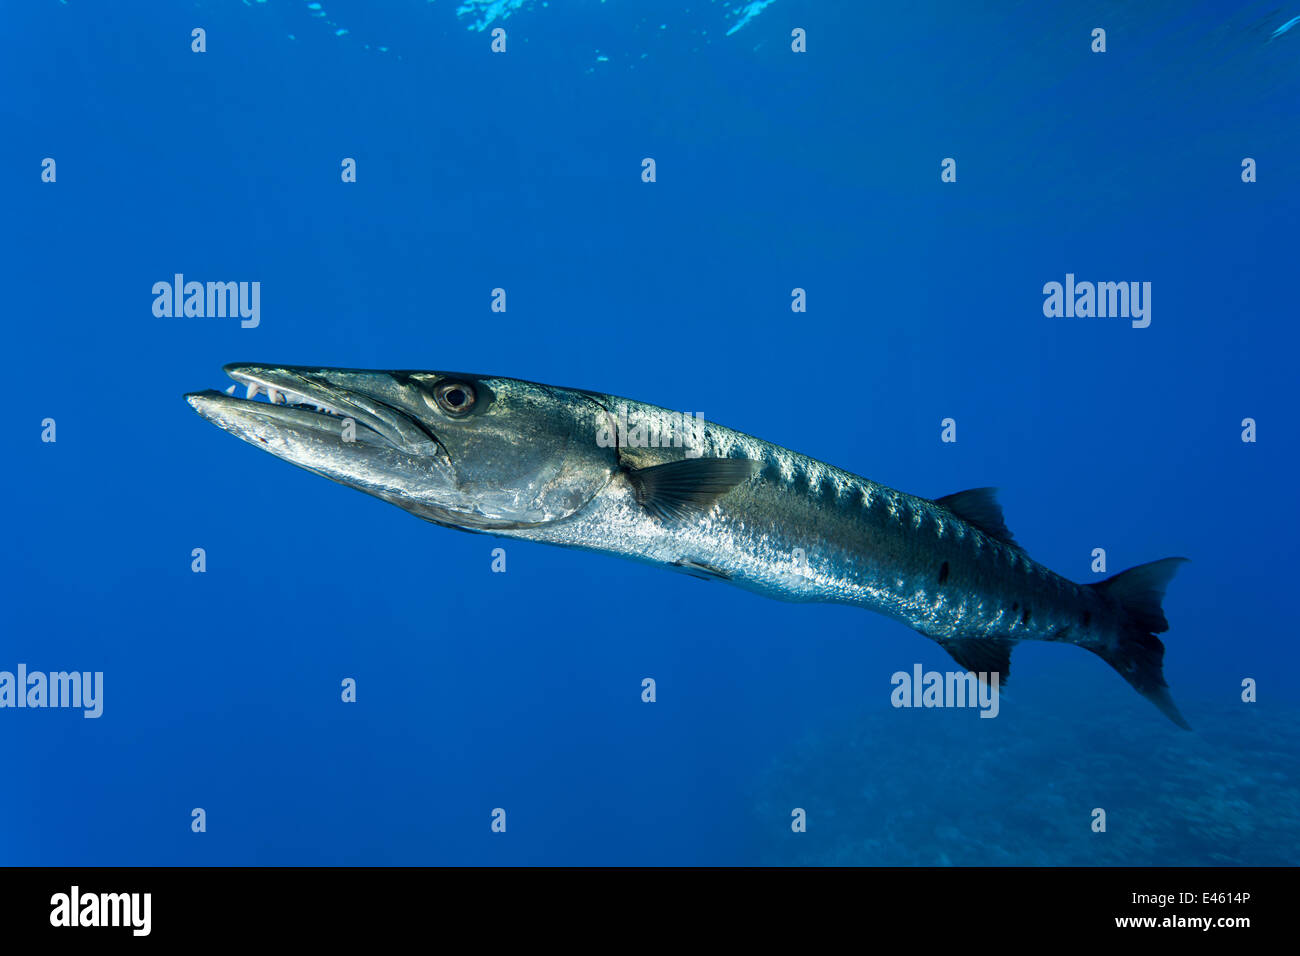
[(273, 395), (253, 390), (231, 390)]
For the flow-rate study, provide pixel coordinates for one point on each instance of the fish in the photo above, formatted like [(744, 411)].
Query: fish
[(1284, 27), (600, 473)]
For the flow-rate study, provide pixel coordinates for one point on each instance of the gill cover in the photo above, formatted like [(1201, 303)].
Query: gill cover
[(520, 454)]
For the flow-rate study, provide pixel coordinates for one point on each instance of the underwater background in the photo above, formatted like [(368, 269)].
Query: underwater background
[(775, 170)]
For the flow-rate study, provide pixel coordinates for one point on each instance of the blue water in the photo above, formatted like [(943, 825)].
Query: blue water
[(775, 170)]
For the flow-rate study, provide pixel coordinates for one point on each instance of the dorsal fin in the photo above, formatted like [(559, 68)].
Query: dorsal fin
[(979, 506)]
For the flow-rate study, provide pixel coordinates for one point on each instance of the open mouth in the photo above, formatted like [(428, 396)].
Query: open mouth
[(313, 400), (265, 391), (273, 396)]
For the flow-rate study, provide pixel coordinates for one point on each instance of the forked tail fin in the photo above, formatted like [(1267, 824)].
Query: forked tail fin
[(1138, 654)]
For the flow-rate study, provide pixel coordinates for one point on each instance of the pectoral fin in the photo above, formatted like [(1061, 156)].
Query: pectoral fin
[(688, 488)]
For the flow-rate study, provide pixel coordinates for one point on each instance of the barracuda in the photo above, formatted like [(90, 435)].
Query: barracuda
[(523, 460)]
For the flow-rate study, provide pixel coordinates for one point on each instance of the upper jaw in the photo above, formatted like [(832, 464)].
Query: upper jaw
[(282, 386), (323, 395)]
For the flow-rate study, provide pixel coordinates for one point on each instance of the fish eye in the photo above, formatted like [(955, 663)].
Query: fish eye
[(455, 398)]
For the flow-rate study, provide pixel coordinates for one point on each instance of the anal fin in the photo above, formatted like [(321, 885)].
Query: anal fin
[(983, 655)]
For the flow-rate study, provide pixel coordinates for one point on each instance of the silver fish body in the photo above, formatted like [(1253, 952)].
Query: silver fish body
[(553, 465)]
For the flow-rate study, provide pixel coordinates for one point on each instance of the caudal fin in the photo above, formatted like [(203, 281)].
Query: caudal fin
[(1138, 654)]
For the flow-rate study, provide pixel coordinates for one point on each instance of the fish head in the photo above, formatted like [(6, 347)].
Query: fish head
[(466, 451)]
